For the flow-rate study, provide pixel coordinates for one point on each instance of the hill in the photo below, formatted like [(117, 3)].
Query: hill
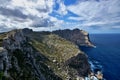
[(29, 55)]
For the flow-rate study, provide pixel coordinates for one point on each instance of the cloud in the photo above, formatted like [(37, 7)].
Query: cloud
[(12, 13), (58, 14), (4, 2), (42, 23), (96, 12), (62, 8), (76, 18), (27, 13), (91, 9), (4, 28)]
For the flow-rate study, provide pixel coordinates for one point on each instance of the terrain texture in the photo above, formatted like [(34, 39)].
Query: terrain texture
[(29, 55)]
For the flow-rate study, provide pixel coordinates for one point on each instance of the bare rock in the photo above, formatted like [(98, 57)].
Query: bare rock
[(79, 37), (4, 63)]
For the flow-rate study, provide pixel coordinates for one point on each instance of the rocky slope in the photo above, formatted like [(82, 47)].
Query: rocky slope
[(28, 55), (79, 37)]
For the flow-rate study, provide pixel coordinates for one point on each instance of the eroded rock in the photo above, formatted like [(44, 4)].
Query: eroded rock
[(79, 37)]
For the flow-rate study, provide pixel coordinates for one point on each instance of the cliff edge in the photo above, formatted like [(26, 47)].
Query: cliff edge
[(79, 37), (29, 55)]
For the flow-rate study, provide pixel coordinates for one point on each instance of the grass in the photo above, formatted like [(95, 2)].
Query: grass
[(55, 48), (1, 75), (2, 36)]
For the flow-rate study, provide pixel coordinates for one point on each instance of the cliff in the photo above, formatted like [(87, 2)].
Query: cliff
[(79, 37), (29, 55)]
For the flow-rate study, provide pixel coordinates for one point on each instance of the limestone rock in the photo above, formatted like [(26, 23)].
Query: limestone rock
[(79, 37), (4, 63)]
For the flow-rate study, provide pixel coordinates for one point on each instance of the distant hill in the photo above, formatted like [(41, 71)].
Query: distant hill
[(79, 37)]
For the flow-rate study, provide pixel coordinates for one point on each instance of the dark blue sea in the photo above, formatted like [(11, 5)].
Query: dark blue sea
[(106, 55)]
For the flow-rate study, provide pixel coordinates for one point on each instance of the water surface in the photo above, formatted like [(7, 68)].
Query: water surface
[(107, 53)]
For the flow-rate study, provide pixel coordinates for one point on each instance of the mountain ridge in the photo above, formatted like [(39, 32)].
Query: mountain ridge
[(41, 56)]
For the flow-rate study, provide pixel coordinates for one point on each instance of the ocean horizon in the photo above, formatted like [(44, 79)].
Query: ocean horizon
[(106, 55)]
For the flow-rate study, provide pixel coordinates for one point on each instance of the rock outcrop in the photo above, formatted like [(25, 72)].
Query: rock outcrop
[(79, 37), (80, 63), (4, 63), (22, 59), (29, 55)]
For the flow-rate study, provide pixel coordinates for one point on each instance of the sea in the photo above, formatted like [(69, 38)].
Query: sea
[(106, 56)]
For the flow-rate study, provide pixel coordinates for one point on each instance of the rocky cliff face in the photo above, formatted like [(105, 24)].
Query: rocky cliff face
[(28, 55), (79, 37), (4, 63), (19, 59)]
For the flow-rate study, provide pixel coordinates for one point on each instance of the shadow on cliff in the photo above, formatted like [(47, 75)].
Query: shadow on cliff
[(80, 63)]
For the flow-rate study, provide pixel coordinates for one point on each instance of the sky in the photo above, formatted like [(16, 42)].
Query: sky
[(94, 16)]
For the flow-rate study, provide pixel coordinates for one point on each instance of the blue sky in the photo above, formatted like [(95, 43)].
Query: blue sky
[(94, 16)]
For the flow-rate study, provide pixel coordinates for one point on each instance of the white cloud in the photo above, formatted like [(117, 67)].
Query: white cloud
[(35, 14), (76, 18), (115, 27), (62, 8), (32, 7), (97, 12), (35, 11), (91, 23)]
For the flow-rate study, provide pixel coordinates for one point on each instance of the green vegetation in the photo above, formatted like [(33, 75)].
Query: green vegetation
[(55, 47), (2, 36), (1, 75), (54, 52), (26, 70), (20, 57), (57, 50)]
